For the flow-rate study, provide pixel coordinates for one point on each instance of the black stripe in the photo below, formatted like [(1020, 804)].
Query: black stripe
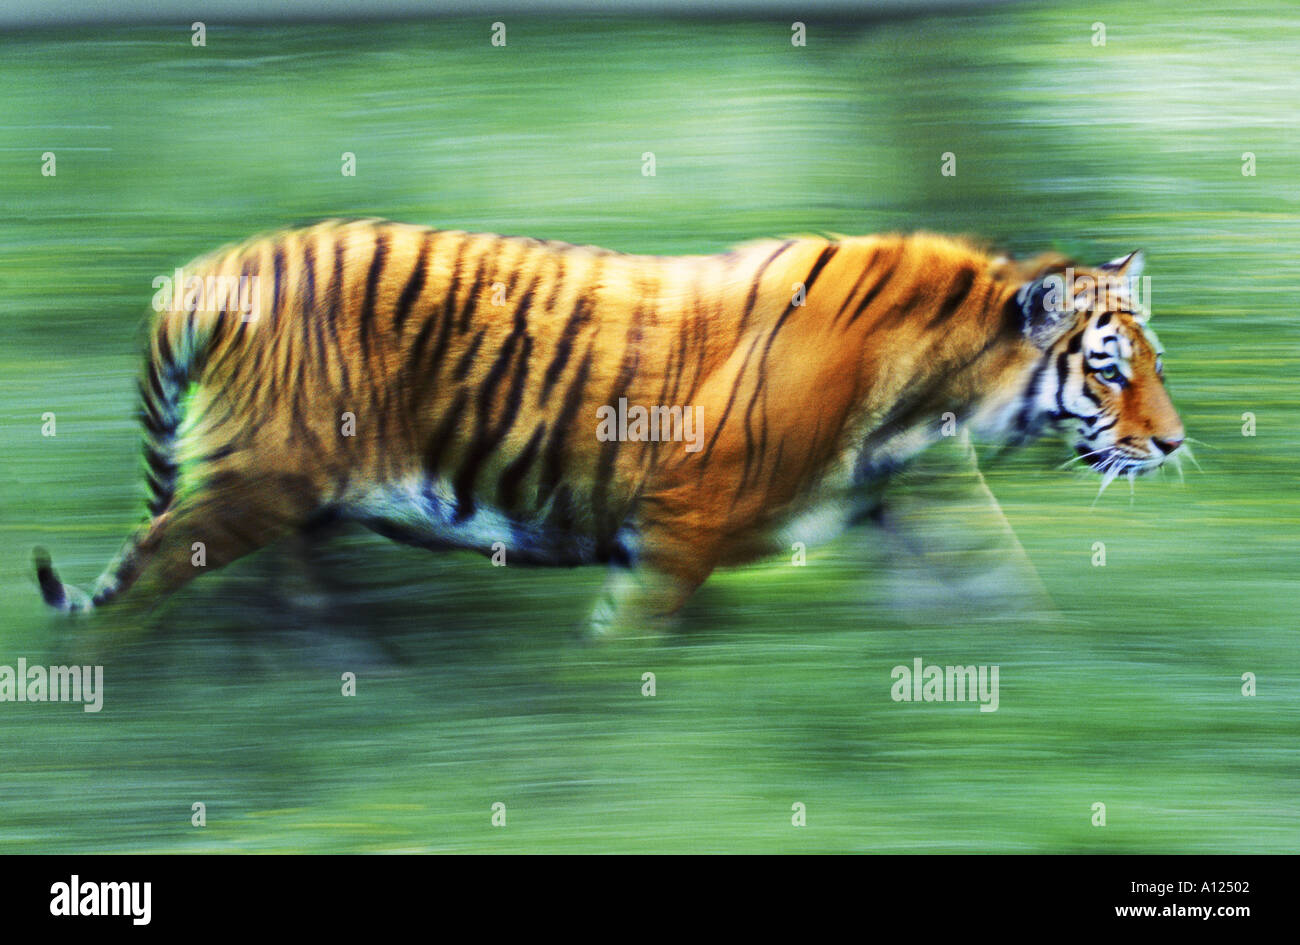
[(165, 352), (682, 342), (467, 357), (525, 304), (444, 432), (255, 370), (674, 354), (149, 417), (825, 257), (903, 310), (414, 286), (579, 317), (417, 361), (874, 292), (307, 299), (488, 436), (215, 455), (471, 302), (760, 386), (1062, 375), (453, 287), (283, 337), (160, 463), (375, 273), (848, 299), (605, 462), (1025, 419), (553, 469), (731, 401), (756, 281), (277, 300), (245, 277), (700, 334), (513, 475), (335, 296), (162, 489), (776, 463), (155, 385), (417, 348), (300, 423), (583, 309), (957, 293), (561, 275), (811, 453)]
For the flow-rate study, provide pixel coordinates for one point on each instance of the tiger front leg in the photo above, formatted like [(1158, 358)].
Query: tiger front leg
[(946, 548), (642, 601)]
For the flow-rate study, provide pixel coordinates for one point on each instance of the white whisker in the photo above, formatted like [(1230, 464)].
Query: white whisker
[(1110, 471), (1080, 458)]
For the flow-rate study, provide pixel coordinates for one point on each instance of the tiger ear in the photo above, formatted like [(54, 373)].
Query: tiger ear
[(1042, 310), (1129, 266)]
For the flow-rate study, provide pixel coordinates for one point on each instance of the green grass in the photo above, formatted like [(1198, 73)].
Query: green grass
[(471, 688)]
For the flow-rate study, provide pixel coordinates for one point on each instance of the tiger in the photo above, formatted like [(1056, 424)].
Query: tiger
[(458, 390)]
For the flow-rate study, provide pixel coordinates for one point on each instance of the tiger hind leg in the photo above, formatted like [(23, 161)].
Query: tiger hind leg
[(304, 584), (205, 530)]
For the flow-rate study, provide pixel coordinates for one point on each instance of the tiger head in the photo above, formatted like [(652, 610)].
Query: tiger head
[(1098, 373)]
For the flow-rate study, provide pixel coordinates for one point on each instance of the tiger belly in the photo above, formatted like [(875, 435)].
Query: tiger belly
[(423, 512)]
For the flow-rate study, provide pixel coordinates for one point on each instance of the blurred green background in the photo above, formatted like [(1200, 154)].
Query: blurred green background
[(471, 687)]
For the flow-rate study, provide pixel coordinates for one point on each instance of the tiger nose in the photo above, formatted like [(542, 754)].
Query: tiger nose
[(1167, 446)]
